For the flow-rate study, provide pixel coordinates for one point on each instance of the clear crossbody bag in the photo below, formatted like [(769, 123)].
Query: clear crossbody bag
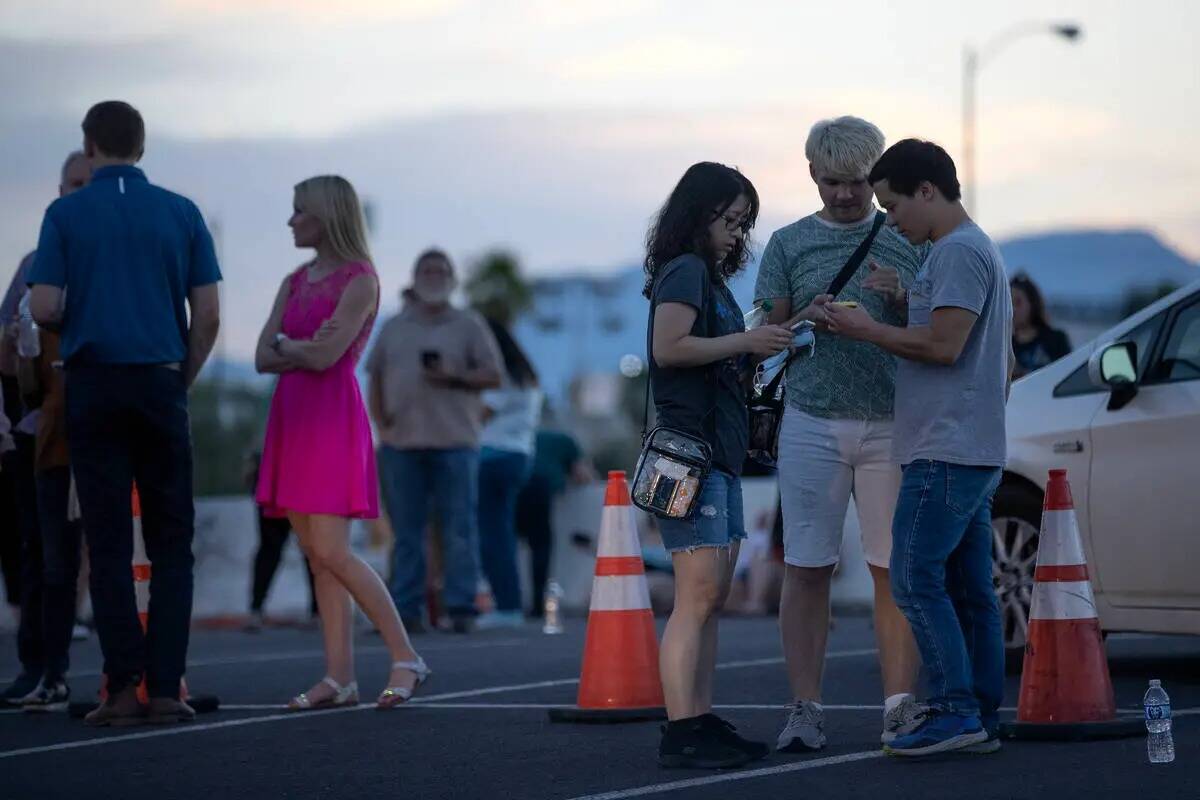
[(670, 471)]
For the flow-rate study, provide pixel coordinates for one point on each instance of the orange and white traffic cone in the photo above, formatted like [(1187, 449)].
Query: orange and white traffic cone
[(619, 680), (1066, 690)]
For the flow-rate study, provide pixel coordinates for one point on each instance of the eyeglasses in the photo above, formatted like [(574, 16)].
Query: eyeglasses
[(736, 223)]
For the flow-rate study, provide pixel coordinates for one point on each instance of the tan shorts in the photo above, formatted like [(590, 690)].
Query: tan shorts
[(821, 463)]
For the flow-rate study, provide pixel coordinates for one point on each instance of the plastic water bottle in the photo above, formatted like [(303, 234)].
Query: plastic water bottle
[(757, 316), (1159, 743), (551, 607), (28, 343)]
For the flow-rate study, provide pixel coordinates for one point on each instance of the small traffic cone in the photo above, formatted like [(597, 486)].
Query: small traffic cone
[(1066, 690), (141, 588), (619, 681)]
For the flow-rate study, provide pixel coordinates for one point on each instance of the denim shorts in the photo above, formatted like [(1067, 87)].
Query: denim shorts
[(717, 520)]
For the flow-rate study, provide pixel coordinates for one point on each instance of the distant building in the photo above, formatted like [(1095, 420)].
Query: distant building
[(581, 326)]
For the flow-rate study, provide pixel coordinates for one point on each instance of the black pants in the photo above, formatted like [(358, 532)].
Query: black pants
[(129, 423), (60, 545), (10, 524), (31, 649), (272, 536), (534, 507)]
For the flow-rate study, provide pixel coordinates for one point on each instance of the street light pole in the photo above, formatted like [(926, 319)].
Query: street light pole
[(970, 69), (973, 58)]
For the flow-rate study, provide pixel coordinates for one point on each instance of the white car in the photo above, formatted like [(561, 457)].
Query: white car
[(1122, 416)]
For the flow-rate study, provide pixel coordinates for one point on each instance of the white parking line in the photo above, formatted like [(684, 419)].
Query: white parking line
[(267, 658), (237, 723), (726, 777)]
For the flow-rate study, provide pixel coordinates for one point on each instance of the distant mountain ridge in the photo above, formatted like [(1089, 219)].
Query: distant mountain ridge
[(1097, 266)]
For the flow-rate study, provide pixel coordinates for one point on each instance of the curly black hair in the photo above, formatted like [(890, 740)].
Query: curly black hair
[(704, 193)]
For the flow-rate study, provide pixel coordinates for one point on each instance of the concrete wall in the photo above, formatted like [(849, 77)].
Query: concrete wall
[(226, 540)]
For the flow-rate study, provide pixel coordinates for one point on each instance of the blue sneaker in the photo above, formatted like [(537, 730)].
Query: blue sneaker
[(941, 733)]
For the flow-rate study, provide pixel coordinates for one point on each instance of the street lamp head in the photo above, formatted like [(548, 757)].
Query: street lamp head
[(1069, 31)]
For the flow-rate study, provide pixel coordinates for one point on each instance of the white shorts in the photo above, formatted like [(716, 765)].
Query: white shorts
[(821, 463)]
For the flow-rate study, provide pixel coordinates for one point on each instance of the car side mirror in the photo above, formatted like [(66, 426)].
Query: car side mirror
[(1114, 367)]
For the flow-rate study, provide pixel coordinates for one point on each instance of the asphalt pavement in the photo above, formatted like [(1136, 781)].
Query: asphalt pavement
[(479, 729)]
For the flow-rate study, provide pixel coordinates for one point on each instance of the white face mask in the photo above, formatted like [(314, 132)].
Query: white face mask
[(433, 297)]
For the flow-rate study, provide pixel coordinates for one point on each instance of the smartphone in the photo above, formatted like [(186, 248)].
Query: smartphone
[(430, 359)]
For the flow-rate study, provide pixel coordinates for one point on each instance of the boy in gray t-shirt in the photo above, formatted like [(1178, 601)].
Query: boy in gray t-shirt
[(951, 388)]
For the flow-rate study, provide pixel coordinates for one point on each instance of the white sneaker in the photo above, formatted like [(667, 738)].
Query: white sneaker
[(903, 719), (804, 730)]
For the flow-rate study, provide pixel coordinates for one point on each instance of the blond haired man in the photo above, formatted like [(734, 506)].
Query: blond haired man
[(836, 438)]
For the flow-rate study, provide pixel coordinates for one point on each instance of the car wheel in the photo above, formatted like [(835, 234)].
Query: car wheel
[(1016, 528)]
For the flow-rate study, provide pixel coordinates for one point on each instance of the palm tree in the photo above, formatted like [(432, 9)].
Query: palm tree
[(496, 288)]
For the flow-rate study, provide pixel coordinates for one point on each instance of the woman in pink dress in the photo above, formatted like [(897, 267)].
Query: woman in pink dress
[(318, 464)]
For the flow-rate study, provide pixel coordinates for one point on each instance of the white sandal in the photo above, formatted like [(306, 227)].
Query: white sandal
[(343, 696), (393, 696)]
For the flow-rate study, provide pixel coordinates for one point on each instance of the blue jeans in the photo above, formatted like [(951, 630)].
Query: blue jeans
[(716, 521), (941, 575), (502, 473), (449, 478)]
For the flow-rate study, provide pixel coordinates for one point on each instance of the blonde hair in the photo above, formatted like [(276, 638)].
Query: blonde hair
[(331, 199), (847, 147)]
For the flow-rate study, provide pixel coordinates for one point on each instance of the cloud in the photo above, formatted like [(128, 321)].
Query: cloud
[(665, 57), (318, 12)]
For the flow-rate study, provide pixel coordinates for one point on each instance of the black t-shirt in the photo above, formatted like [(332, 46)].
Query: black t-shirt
[(706, 401), (1049, 346)]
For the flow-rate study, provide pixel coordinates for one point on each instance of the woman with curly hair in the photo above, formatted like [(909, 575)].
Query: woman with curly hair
[(698, 343)]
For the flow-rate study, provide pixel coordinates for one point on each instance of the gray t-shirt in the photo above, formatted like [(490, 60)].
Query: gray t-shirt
[(844, 379), (706, 401), (956, 413)]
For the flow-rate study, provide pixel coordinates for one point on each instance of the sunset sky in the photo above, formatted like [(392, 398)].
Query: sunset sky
[(555, 127)]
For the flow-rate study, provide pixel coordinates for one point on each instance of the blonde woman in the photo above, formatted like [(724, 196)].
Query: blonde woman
[(318, 465)]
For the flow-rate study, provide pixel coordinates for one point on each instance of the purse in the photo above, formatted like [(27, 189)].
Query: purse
[(674, 463), (764, 407)]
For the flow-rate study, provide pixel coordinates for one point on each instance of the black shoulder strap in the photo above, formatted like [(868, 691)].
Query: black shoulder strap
[(857, 257)]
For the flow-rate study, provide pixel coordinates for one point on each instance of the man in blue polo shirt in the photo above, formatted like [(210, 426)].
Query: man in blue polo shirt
[(119, 265)]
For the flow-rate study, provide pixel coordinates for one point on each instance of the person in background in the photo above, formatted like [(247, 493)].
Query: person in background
[(54, 549), (317, 464), (18, 510), (952, 384), (504, 463), (836, 437), (128, 270), (1035, 343), (273, 533), (557, 459), (697, 339), (11, 588), (428, 369)]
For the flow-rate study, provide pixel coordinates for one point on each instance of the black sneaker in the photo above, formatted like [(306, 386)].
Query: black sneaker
[(695, 745), (24, 683), (52, 697), (727, 732)]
